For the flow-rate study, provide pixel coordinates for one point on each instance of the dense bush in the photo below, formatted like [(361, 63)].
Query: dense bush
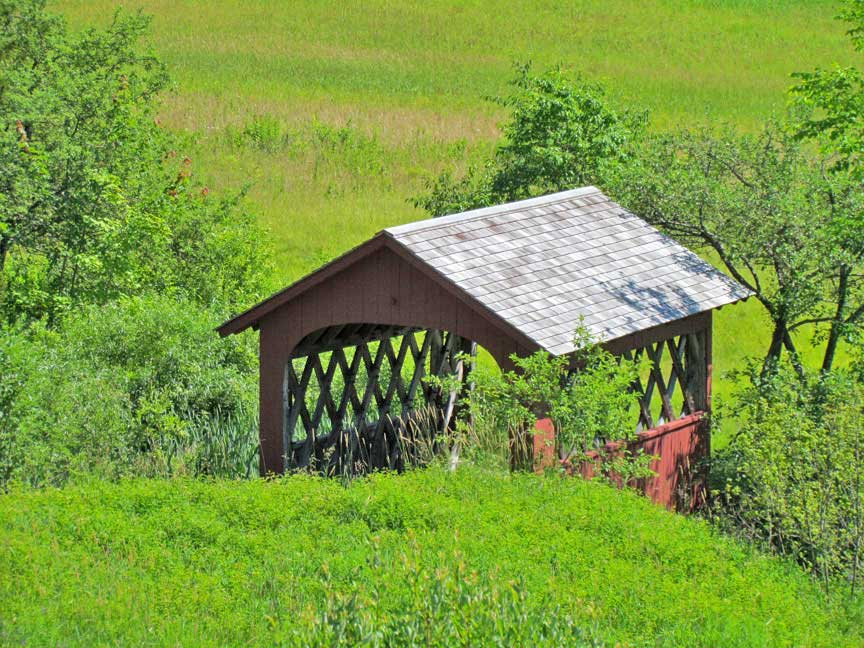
[(471, 557), (793, 477), (143, 384), (589, 407)]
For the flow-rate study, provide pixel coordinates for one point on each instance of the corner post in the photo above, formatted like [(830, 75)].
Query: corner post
[(698, 366), (273, 353)]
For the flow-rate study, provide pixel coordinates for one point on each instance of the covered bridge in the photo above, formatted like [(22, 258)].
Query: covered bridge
[(512, 278)]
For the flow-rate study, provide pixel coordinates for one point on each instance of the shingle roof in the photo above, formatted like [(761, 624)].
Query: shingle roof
[(546, 264), (542, 266)]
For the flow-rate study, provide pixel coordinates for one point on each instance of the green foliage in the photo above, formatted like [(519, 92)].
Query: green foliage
[(95, 202), (562, 133), (141, 385), (262, 562), (57, 417), (217, 444), (853, 13), (445, 607), (794, 476), (833, 102), (597, 406), (590, 407), (263, 132)]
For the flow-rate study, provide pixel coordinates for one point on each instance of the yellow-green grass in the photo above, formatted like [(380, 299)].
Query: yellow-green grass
[(423, 65), (407, 81)]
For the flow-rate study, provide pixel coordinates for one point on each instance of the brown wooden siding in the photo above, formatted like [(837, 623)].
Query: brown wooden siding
[(380, 288)]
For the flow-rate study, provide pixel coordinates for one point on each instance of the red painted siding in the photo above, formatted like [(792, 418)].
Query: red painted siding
[(681, 446)]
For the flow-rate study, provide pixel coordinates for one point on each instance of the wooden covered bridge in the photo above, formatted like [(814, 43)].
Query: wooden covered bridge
[(344, 350)]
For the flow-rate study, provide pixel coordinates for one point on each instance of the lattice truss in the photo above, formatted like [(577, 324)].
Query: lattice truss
[(356, 398), (674, 383)]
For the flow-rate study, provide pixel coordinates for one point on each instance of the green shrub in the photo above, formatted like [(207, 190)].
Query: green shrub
[(139, 385), (59, 418), (589, 407), (793, 477), (266, 133)]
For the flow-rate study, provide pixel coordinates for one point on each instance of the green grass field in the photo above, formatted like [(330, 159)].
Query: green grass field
[(336, 111), (253, 563)]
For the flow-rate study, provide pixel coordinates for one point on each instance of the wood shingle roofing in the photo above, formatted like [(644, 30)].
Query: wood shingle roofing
[(546, 264)]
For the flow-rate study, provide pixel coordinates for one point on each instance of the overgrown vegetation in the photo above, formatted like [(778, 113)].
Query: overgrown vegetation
[(793, 477), (116, 262), (589, 408), (471, 557), (135, 386)]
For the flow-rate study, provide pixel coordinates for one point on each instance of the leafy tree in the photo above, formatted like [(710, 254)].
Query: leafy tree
[(830, 111), (788, 225), (794, 476), (95, 201), (562, 133), (776, 220)]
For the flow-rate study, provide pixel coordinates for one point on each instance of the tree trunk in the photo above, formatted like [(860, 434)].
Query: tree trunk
[(837, 323), (831, 347), (4, 249), (794, 358), (775, 349)]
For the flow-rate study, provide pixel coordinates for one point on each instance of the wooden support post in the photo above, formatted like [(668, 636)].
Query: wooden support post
[(544, 445), (698, 360), (273, 352), (696, 369)]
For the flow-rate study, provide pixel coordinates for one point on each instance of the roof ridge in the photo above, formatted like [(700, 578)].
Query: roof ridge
[(507, 208)]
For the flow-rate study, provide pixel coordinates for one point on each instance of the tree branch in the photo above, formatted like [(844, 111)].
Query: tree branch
[(811, 320)]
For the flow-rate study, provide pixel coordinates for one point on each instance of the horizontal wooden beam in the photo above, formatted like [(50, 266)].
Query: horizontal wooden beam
[(684, 326), (340, 337)]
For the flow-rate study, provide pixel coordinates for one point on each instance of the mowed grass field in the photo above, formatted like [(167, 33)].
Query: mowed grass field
[(335, 112)]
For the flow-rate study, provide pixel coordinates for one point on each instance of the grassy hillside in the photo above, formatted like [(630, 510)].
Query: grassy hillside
[(225, 563), (413, 75), (336, 111)]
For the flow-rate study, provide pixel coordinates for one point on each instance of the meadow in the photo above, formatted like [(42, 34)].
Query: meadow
[(127, 426), (334, 114), (302, 561)]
